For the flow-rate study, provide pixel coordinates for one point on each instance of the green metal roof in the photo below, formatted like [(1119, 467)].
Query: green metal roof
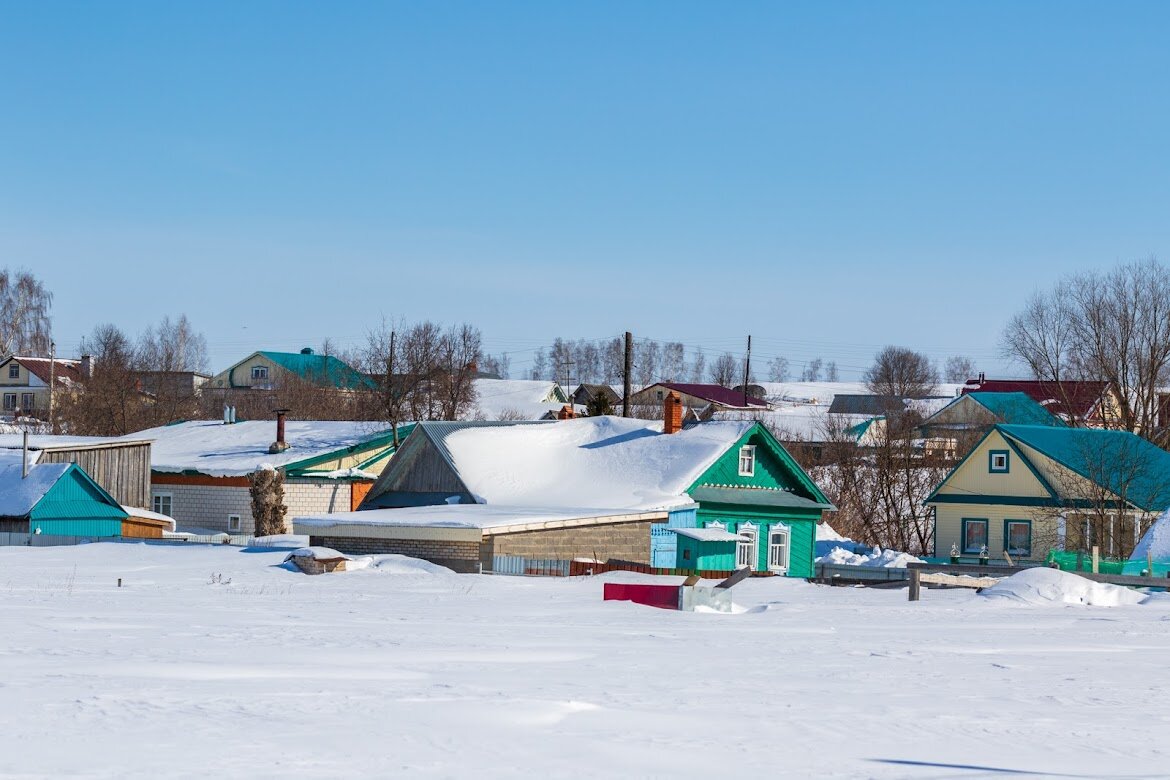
[(1016, 409), (755, 497), (321, 369), (1123, 463)]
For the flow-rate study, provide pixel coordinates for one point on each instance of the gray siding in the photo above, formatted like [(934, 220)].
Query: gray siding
[(124, 471)]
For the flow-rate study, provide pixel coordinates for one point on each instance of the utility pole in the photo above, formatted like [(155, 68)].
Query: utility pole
[(52, 384), (565, 364), (747, 371), (629, 368), (390, 390)]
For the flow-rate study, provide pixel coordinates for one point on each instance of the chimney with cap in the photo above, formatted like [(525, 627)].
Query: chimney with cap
[(280, 445), (566, 413), (672, 413)]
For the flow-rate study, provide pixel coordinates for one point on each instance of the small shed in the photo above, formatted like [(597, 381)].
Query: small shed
[(318, 560), (706, 549), (56, 499)]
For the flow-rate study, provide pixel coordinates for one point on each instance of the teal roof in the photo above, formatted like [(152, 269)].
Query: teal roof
[(756, 497), (1016, 409), (323, 370), (1123, 463)]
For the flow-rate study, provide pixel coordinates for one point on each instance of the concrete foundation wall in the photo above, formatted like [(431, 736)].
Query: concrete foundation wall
[(462, 557)]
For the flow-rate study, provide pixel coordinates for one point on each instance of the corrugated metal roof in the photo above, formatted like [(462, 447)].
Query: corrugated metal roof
[(320, 369), (1015, 408), (754, 497)]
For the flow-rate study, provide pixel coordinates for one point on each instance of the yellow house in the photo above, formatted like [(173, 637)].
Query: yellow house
[(1028, 489), (24, 382)]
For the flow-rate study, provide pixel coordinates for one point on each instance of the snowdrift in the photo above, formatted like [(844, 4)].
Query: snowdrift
[(1042, 587), (832, 547)]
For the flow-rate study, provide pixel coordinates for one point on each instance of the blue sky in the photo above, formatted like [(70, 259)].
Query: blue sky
[(829, 177)]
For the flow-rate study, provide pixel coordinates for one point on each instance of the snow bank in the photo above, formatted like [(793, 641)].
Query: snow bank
[(318, 554), (875, 557), (832, 547), (402, 564), (1155, 541), (1043, 586)]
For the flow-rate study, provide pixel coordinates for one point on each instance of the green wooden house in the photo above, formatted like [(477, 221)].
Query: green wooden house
[(56, 499), (757, 491), (706, 549)]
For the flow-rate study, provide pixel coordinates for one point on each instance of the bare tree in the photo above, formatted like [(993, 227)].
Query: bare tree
[(500, 365), (25, 326), (1111, 327), (812, 371), (540, 368), (612, 361), (110, 402), (647, 355), (725, 370), (674, 362), (698, 366), (458, 354), (831, 372), (901, 372), (778, 369), (959, 369)]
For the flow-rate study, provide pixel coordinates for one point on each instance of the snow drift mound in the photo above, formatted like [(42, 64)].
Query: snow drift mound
[(404, 564), (868, 557), (1042, 586)]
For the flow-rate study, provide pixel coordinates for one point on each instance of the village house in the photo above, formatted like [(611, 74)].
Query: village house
[(25, 383), (1029, 489), (468, 494), (699, 401), (267, 370), (1090, 403), (121, 466), (201, 470), (517, 399)]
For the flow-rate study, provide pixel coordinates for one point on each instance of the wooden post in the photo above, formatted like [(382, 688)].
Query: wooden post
[(1096, 559), (1008, 558), (627, 369), (1150, 562), (915, 584), (1080, 560), (119, 582)]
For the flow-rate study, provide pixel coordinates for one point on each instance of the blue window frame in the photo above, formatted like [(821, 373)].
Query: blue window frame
[(999, 461), (974, 535)]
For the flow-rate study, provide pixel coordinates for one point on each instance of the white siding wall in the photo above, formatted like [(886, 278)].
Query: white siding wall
[(305, 497), (208, 506)]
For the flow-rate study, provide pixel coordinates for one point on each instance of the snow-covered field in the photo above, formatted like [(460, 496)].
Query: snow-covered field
[(216, 662)]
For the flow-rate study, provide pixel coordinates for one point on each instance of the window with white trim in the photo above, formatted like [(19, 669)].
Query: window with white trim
[(234, 523), (259, 372), (9, 402), (747, 460), (161, 503), (1017, 537), (745, 550)]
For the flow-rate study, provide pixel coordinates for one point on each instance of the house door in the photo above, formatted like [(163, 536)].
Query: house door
[(778, 549), (745, 551)]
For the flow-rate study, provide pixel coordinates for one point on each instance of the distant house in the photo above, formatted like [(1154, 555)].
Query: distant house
[(1089, 403), (175, 384), (700, 400), (267, 370), (121, 466), (56, 499), (586, 394), (200, 470), (1028, 489), (24, 382), (466, 494), (960, 423)]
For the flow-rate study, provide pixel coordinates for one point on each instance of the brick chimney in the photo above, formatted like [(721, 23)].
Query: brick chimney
[(280, 445), (87, 366), (566, 413), (672, 413)]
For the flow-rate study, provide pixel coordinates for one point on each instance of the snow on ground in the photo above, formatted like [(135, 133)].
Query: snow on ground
[(1155, 541), (1042, 586), (832, 547), (216, 661)]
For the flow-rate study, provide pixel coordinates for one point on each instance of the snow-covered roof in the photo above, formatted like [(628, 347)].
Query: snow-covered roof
[(600, 462), (798, 422), (823, 393), (45, 442), (146, 514), (19, 495), (709, 534), (522, 399), (218, 450), (465, 516)]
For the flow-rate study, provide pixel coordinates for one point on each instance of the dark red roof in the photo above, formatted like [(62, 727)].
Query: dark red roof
[(1071, 399), (717, 394), (67, 370)]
